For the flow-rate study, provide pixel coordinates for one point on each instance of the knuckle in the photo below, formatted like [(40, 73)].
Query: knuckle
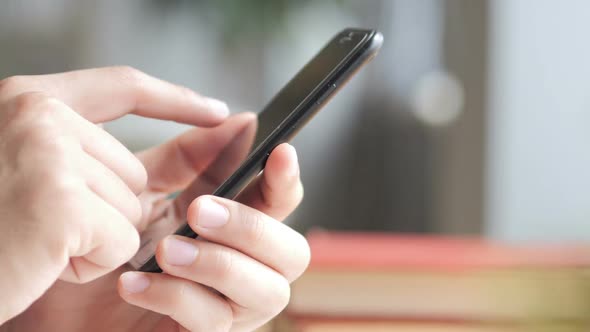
[(57, 249), (12, 84), (55, 243), (53, 151), (31, 100), (55, 183), (178, 299), (36, 108), (132, 81), (255, 227), (48, 140), (65, 190), (134, 172), (223, 262), (186, 92), (128, 75), (59, 195)]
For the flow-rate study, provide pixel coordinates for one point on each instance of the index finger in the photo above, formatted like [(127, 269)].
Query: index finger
[(104, 94)]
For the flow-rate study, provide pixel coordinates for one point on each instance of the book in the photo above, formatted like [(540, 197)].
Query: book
[(442, 278), (316, 324)]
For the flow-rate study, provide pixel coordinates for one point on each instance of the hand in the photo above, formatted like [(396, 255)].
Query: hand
[(236, 276), (242, 270), (68, 200), (258, 247)]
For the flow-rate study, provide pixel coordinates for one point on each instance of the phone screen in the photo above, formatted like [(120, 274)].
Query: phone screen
[(306, 81), (280, 120)]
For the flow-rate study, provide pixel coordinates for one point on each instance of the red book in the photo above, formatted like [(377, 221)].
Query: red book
[(378, 251), (343, 324), (442, 278)]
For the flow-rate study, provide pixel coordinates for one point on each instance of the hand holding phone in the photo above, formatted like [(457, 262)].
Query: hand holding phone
[(283, 117)]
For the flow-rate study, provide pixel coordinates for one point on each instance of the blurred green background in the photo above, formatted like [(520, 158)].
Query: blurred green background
[(473, 119)]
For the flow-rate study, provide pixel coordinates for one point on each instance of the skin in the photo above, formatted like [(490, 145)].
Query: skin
[(74, 202)]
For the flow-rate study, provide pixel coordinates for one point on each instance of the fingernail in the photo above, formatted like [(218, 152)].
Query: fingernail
[(135, 282), (211, 214), (218, 107), (180, 253)]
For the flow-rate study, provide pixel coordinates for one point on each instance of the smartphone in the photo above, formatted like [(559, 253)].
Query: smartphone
[(288, 112)]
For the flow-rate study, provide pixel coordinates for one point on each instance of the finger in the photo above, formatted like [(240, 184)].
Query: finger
[(99, 144), (225, 270), (107, 241), (178, 298), (107, 185), (252, 232), (94, 140), (225, 163), (174, 164), (104, 94), (279, 190)]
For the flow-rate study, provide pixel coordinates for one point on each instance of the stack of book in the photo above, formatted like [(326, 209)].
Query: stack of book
[(386, 282)]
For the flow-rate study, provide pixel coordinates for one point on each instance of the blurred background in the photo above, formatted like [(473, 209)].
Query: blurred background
[(474, 119)]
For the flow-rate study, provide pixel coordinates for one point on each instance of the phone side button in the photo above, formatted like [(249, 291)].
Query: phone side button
[(326, 94)]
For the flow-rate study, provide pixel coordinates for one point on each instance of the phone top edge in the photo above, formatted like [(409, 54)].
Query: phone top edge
[(359, 57), (367, 46), (376, 41)]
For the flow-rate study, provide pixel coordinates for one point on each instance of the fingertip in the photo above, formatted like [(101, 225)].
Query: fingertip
[(205, 111), (249, 115), (283, 159), (139, 176), (250, 125), (292, 152), (133, 283), (217, 108), (249, 120), (282, 175), (287, 150)]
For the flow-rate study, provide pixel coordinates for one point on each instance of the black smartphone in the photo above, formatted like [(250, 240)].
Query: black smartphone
[(288, 112)]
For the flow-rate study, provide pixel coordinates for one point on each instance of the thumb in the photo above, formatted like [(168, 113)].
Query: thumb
[(173, 165), (225, 163)]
